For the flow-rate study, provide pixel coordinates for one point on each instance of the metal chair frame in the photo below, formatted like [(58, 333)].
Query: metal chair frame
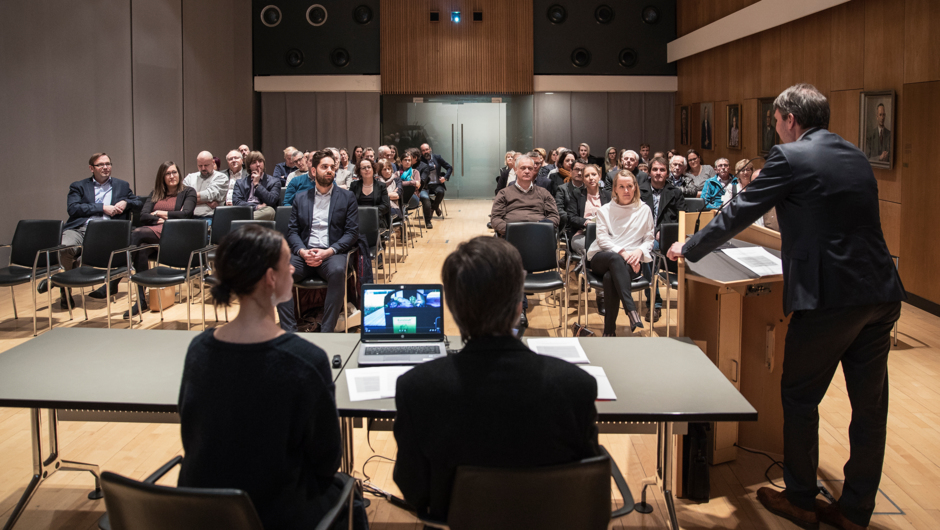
[(322, 285)]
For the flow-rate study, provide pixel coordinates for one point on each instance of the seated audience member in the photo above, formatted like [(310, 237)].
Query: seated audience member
[(542, 407), (583, 206), (324, 226), (394, 156), (744, 171), (678, 176), (169, 200), (558, 176), (610, 160), (235, 171), (386, 175), (210, 186), (624, 242), (434, 181), (244, 150), (665, 201), (564, 193), (720, 188), (299, 161), (698, 173), (370, 192), (584, 153), (356, 156), (99, 197), (282, 169), (657, 154), (506, 174), (644, 154), (671, 153), (299, 185), (346, 169), (746, 176), (630, 161), (216, 163), (260, 191), (643, 168), (543, 167), (369, 153), (265, 423)]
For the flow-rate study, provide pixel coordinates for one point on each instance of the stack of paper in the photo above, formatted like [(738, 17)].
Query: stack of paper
[(605, 392), (757, 259), (373, 383), (564, 348)]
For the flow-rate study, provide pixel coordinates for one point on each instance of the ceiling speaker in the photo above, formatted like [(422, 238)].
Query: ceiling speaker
[(580, 57), (339, 57), (650, 15), (362, 15), (603, 14), (271, 16), (295, 58), (557, 14), (316, 15), (627, 57)]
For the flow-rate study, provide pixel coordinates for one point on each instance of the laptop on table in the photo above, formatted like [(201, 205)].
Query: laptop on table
[(401, 324)]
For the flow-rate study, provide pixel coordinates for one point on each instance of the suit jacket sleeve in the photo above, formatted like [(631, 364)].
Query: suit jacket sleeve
[(498, 213), (187, 208), (443, 163), (268, 191), (133, 201), (294, 226), (560, 199), (240, 195), (762, 194), (78, 207), (575, 216), (351, 228)]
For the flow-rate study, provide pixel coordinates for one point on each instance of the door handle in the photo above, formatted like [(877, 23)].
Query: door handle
[(461, 149)]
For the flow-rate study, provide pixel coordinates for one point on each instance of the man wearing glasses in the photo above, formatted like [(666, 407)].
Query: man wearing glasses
[(98, 197)]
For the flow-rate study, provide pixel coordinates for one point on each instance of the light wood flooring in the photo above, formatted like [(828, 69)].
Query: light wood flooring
[(911, 481)]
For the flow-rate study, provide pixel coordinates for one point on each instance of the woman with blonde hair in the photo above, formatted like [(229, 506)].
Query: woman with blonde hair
[(610, 159), (625, 234)]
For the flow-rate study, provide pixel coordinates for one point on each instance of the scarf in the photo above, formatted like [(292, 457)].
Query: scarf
[(407, 175), (564, 173)]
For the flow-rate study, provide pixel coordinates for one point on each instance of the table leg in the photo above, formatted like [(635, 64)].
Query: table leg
[(347, 461), (665, 460), (43, 469)]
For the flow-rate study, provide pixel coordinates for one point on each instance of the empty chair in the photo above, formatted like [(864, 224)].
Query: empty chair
[(222, 223), (282, 219), (369, 229), (538, 246), (240, 223), (179, 260), (34, 246), (694, 204), (104, 258)]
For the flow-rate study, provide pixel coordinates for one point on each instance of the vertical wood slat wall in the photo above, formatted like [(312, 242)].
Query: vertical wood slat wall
[(423, 57), (857, 46)]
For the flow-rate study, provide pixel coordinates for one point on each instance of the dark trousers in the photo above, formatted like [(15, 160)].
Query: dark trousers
[(143, 236), (333, 271), (431, 205), (618, 279), (648, 274), (817, 341)]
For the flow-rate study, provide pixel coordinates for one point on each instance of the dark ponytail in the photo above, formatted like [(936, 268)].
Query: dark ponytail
[(242, 259)]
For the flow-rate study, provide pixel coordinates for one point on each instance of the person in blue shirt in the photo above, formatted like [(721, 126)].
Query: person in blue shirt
[(720, 188)]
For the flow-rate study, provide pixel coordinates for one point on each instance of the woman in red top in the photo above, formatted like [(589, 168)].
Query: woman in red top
[(170, 200)]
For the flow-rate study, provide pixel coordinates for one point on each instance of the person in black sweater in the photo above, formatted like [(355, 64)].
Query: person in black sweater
[(494, 404), (370, 192), (257, 407)]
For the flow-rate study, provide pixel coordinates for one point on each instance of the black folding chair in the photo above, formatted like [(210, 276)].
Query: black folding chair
[(694, 204), (222, 223), (282, 219), (668, 234), (587, 280), (539, 249), (240, 223), (369, 228), (105, 251), (316, 282), (32, 239)]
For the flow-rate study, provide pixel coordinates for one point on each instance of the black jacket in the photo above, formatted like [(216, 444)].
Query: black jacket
[(575, 209), (185, 205), (495, 404), (671, 202), (344, 220), (434, 171), (826, 196), (378, 198), (268, 191), (81, 201)]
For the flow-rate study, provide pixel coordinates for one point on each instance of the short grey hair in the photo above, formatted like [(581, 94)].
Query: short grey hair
[(630, 152), (684, 161), (808, 105), (383, 149), (521, 156), (720, 159)]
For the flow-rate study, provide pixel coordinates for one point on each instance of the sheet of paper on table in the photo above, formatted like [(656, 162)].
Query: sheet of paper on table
[(605, 392), (564, 348), (373, 383), (757, 259)]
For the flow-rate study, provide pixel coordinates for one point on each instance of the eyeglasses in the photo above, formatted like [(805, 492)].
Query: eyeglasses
[(693, 160), (105, 164), (173, 172)]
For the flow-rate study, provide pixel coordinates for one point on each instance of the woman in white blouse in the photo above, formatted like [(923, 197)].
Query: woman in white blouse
[(624, 241)]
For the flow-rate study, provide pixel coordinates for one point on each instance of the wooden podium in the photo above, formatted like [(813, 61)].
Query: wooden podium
[(740, 318)]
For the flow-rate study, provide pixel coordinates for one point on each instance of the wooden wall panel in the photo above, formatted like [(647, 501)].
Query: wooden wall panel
[(843, 114), (817, 51), (848, 45), (493, 56), (770, 59), (921, 56), (891, 225)]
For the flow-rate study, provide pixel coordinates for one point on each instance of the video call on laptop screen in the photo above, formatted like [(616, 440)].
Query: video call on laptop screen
[(402, 310)]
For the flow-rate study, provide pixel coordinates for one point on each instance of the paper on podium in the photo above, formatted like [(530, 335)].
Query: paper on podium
[(564, 348), (756, 259), (373, 383), (605, 392)]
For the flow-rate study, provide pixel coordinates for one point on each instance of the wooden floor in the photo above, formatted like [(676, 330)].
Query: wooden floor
[(910, 485)]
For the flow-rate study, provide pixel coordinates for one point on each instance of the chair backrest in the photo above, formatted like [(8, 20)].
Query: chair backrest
[(369, 224), (668, 234), (282, 219), (283, 192), (240, 223), (537, 244), (694, 204), (103, 237), (575, 495), (223, 217), (590, 235), (31, 236), (135, 505), (407, 192), (180, 237)]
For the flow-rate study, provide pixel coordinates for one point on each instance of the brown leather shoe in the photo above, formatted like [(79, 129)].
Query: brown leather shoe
[(777, 503), (832, 515)]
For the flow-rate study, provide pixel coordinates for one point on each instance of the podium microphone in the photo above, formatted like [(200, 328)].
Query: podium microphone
[(699, 218)]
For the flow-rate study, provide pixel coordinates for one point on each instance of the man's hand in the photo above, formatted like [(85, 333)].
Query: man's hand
[(120, 206), (109, 210), (213, 204), (315, 257), (675, 251), (441, 180), (657, 236), (228, 203), (255, 177)]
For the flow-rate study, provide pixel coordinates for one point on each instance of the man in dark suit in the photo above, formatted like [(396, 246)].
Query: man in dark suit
[(99, 197), (324, 226), (844, 292), (282, 169), (665, 201), (435, 183), (496, 403), (260, 191)]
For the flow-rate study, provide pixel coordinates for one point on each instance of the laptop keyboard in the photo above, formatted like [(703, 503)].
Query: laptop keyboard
[(402, 350)]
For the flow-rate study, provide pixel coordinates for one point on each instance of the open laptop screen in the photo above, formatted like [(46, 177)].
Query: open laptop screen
[(396, 312)]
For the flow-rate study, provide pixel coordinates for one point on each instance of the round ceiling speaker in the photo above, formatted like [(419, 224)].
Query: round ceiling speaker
[(339, 57), (580, 57), (650, 15), (270, 16), (362, 14), (295, 58), (557, 14), (604, 14), (627, 58), (316, 15)]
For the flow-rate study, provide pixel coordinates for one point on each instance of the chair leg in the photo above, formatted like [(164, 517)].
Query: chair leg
[(130, 296), (654, 289), (13, 296), (107, 297), (68, 300), (189, 303), (84, 308), (202, 290), (668, 301)]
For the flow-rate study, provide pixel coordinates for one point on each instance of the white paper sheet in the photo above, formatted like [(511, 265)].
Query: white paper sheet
[(605, 392), (373, 383), (564, 348), (757, 259)]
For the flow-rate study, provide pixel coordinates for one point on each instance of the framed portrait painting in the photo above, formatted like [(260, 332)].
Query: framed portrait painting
[(734, 126), (684, 125), (708, 126), (876, 125), (767, 125)]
